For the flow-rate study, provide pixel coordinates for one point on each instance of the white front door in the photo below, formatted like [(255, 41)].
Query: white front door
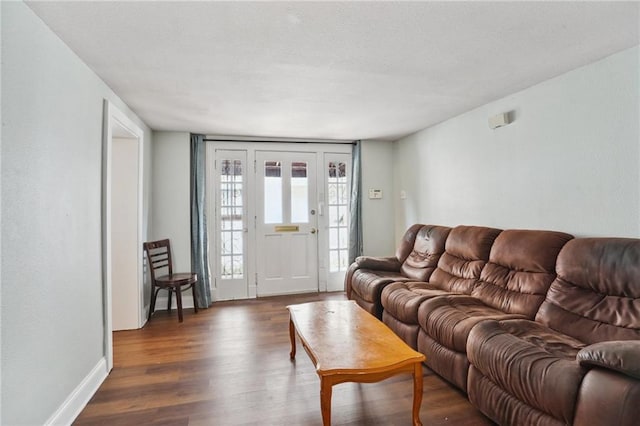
[(286, 223)]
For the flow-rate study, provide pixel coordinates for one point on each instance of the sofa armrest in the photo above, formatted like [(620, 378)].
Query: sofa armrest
[(390, 263), (622, 356)]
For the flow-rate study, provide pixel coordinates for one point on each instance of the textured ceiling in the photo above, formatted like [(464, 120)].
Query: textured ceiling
[(331, 70)]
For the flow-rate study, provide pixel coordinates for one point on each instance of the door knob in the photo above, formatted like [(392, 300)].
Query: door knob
[(313, 230)]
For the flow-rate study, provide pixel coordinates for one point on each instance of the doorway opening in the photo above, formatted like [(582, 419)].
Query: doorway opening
[(278, 217), (122, 183)]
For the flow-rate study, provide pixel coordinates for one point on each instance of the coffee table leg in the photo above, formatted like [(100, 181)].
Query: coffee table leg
[(292, 336), (325, 400), (417, 393)]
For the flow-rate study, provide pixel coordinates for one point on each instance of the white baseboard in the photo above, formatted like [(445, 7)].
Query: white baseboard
[(78, 399), (253, 291)]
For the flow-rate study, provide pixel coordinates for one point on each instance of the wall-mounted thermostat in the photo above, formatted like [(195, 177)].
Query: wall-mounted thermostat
[(375, 194)]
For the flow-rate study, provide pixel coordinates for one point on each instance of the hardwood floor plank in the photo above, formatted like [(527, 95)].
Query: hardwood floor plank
[(229, 365)]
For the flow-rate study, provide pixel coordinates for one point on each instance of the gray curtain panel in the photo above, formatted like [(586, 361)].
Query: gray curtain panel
[(355, 221), (199, 241)]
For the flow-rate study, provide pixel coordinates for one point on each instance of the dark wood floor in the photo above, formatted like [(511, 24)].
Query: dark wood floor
[(229, 365)]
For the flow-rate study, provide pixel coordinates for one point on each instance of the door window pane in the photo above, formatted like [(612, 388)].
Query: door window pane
[(332, 191), (333, 239), (344, 255), (334, 260), (343, 240), (272, 192), (342, 194), (299, 193)]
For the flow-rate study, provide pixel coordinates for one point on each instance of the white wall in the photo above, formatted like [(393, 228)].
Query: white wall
[(52, 293), (570, 161), (171, 210), (377, 214), (1, 302)]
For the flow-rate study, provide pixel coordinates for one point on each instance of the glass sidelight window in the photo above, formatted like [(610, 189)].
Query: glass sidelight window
[(338, 200), (231, 220)]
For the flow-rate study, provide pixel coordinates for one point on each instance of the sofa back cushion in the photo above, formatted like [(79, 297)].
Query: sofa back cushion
[(408, 240), (427, 248), (466, 252), (520, 270), (596, 295)]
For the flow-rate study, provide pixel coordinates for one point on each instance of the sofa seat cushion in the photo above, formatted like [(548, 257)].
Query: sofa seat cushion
[(531, 362), (368, 283), (503, 408), (401, 300), (449, 319)]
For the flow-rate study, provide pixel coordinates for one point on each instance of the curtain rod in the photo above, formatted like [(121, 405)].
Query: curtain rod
[(278, 141)]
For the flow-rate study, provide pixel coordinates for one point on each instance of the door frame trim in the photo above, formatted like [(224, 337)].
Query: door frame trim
[(113, 117), (251, 146)]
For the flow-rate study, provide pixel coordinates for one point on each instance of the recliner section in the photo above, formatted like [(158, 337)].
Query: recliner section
[(512, 285), (415, 260), (586, 331), (537, 327), (466, 252)]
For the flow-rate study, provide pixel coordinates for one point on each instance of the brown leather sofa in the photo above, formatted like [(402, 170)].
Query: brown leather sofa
[(548, 334)]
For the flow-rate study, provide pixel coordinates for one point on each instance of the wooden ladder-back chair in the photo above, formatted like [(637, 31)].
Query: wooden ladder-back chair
[(162, 277)]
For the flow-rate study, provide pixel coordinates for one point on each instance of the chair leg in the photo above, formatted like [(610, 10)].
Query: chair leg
[(179, 302), (154, 294), (195, 299), (169, 300)]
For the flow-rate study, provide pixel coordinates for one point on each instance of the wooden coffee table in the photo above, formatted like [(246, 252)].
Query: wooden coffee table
[(347, 344)]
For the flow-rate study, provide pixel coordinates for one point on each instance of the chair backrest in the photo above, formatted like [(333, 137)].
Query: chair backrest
[(158, 258), (428, 246), (596, 295), (521, 267), (466, 252)]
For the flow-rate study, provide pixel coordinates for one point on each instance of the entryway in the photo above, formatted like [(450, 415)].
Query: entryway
[(124, 306), (278, 217)]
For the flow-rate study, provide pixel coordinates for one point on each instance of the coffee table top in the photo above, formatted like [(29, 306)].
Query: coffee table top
[(340, 336)]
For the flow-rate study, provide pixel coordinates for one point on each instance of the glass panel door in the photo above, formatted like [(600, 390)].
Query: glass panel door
[(231, 218), (337, 181)]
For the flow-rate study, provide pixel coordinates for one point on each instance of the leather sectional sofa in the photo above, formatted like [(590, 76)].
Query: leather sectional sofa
[(537, 327)]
